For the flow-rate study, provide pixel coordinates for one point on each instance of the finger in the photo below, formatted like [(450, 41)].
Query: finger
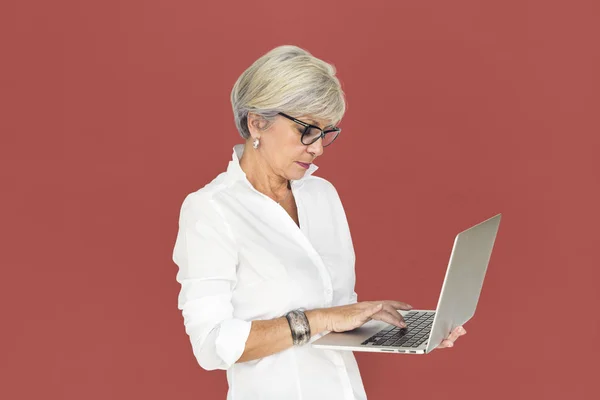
[(368, 313), (459, 331), (399, 305), (399, 320), (453, 335), (446, 344), (389, 318)]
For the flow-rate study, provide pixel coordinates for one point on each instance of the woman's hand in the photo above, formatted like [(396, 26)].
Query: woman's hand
[(352, 316), (455, 334)]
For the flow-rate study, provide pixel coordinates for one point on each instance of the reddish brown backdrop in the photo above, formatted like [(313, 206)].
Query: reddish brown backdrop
[(112, 111)]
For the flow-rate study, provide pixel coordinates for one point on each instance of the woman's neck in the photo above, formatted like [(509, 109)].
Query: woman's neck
[(261, 175)]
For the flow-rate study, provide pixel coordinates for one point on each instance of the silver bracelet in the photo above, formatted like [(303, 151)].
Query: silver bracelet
[(299, 327)]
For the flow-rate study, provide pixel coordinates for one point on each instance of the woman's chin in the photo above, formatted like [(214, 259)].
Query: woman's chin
[(296, 175)]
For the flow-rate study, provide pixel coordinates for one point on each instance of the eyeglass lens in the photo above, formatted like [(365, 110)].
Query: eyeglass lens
[(314, 133)]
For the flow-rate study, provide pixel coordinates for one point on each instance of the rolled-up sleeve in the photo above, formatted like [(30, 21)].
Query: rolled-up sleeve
[(206, 255)]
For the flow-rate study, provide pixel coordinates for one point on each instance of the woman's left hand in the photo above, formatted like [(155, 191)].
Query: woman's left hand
[(455, 334)]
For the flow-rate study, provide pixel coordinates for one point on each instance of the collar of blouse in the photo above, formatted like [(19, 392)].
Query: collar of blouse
[(235, 172)]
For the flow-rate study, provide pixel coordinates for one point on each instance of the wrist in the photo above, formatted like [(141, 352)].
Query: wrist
[(317, 320), (299, 327)]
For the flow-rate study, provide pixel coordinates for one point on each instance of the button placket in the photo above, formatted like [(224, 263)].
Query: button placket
[(303, 238), (314, 255)]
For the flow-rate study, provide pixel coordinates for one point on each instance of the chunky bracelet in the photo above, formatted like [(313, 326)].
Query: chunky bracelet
[(299, 327)]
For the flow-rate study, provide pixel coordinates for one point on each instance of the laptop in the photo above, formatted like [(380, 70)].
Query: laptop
[(425, 329)]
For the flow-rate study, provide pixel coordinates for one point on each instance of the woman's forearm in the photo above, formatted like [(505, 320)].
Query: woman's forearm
[(274, 335)]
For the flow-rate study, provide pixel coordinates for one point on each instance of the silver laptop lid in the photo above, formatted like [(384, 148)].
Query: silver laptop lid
[(464, 278)]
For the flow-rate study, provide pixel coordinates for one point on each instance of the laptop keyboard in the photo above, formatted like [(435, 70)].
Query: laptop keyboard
[(415, 334)]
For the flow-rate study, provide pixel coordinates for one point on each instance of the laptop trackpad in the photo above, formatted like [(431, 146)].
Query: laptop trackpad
[(353, 337)]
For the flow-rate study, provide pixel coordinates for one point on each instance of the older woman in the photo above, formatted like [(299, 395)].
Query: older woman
[(265, 256)]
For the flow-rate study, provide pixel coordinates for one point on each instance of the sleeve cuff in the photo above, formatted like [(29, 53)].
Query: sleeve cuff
[(231, 341)]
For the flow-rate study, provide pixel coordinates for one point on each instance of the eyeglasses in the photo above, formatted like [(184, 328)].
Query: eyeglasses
[(313, 133)]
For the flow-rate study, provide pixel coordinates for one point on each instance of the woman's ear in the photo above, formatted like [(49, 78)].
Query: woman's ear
[(256, 124), (253, 124)]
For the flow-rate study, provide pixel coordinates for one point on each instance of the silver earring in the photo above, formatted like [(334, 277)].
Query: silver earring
[(255, 143)]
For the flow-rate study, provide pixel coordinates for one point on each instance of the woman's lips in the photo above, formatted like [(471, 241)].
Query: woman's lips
[(303, 165)]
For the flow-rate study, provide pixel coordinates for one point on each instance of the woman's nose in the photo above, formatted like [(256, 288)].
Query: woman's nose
[(316, 148)]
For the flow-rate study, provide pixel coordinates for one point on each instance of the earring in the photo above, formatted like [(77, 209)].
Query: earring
[(255, 143)]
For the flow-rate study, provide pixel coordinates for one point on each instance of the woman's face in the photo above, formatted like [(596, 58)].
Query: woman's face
[(280, 145)]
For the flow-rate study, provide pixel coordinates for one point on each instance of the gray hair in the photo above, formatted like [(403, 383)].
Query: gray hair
[(287, 79)]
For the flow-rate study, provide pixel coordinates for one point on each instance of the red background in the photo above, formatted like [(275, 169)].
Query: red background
[(112, 111)]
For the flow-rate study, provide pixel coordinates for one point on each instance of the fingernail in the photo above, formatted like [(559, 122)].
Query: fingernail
[(402, 325), (450, 344), (409, 306)]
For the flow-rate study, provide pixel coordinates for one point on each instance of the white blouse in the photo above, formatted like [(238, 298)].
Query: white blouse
[(241, 257)]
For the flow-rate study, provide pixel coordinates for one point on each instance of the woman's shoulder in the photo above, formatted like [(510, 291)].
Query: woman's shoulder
[(319, 185), (317, 181), (202, 200)]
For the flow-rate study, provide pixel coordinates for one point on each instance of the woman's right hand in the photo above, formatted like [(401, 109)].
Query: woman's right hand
[(352, 316)]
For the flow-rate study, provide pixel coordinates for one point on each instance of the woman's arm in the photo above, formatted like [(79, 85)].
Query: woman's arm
[(274, 335), (206, 254)]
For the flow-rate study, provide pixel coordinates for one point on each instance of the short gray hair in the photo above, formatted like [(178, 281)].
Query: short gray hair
[(287, 79)]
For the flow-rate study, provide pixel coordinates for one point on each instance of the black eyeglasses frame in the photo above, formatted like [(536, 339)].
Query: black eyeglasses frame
[(307, 126)]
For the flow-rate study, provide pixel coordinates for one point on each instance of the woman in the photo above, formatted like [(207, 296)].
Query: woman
[(266, 261)]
